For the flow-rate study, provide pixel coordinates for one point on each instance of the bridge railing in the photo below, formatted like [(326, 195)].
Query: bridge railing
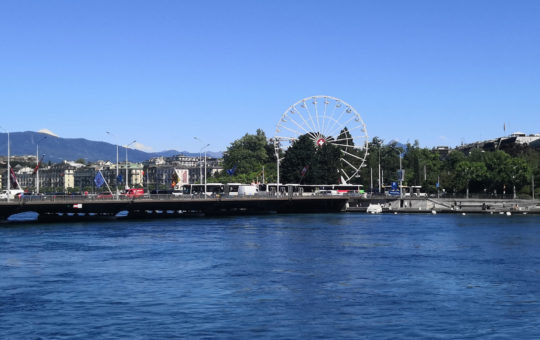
[(109, 197)]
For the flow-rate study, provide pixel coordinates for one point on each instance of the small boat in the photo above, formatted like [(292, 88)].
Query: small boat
[(374, 209)]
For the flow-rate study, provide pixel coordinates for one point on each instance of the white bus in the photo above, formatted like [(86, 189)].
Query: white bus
[(198, 189)]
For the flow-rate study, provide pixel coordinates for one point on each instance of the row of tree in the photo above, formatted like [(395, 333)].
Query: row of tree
[(479, 171), (252, 158)]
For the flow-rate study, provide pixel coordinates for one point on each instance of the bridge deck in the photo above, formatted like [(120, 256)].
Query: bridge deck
[(80, 207)]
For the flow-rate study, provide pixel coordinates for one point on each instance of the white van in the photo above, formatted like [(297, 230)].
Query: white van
[(247, 190)]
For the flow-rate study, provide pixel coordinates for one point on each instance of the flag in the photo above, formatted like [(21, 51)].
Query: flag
[(99, 180), (504, 127), (119, 179), (14, 183), (38, 165), (231, 171), (304, 171)]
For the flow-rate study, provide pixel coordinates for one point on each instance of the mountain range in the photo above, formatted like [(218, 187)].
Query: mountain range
[(57, 149)]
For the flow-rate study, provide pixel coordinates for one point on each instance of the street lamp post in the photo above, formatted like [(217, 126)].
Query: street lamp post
[(37, 164), (127, 180), (371, 180), (205, 172), (277, 151), (379, 173), (8, 169), (8, 178), (277, 167), (400, 177), (200, 154), (117, 171)]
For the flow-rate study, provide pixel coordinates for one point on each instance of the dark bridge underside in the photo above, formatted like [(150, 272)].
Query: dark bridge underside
[(90, 209)]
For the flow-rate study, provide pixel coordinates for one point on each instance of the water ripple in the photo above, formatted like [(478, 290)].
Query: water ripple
[(291, 276)]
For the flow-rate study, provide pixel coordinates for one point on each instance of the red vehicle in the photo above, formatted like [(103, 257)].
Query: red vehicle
[(134, 193)]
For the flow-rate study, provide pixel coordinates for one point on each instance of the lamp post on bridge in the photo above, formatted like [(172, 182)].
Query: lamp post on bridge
[(8, 178), (277, 168), (127, 178), (117, 170), (200, 153), (38, 163)]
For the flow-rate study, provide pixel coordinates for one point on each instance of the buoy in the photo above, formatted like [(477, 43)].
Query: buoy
[(433, 212), (508, 213), (395, 212), (463, 214)]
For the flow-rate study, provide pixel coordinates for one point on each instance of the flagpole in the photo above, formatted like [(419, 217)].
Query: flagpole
[(8, 169), (107, 184), (117, 174), (37, 170)]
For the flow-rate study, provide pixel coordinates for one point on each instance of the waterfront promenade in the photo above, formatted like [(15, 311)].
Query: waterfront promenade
[(448, 205)]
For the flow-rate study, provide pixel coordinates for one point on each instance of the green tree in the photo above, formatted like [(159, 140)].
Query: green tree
[(246, 158), (470, 171), (497, 167), (299, 155), (518, 173), (448, 178), (326, 165), (247, 154)]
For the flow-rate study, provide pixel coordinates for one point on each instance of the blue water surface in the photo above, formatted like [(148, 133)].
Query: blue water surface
[(277, 276)]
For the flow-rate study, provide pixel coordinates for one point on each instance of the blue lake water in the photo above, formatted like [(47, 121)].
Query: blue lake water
[(276, 276)]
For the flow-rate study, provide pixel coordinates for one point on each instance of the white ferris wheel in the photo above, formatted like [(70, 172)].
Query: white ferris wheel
[(324, 119)]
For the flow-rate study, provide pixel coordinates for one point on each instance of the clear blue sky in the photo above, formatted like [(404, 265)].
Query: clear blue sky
[(162, 72)]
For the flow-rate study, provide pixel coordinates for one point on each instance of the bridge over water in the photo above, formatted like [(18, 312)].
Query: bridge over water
[(84, 208)]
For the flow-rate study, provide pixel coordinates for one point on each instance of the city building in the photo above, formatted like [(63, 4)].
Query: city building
[(155, 174), (160, 171), (517, 140)]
